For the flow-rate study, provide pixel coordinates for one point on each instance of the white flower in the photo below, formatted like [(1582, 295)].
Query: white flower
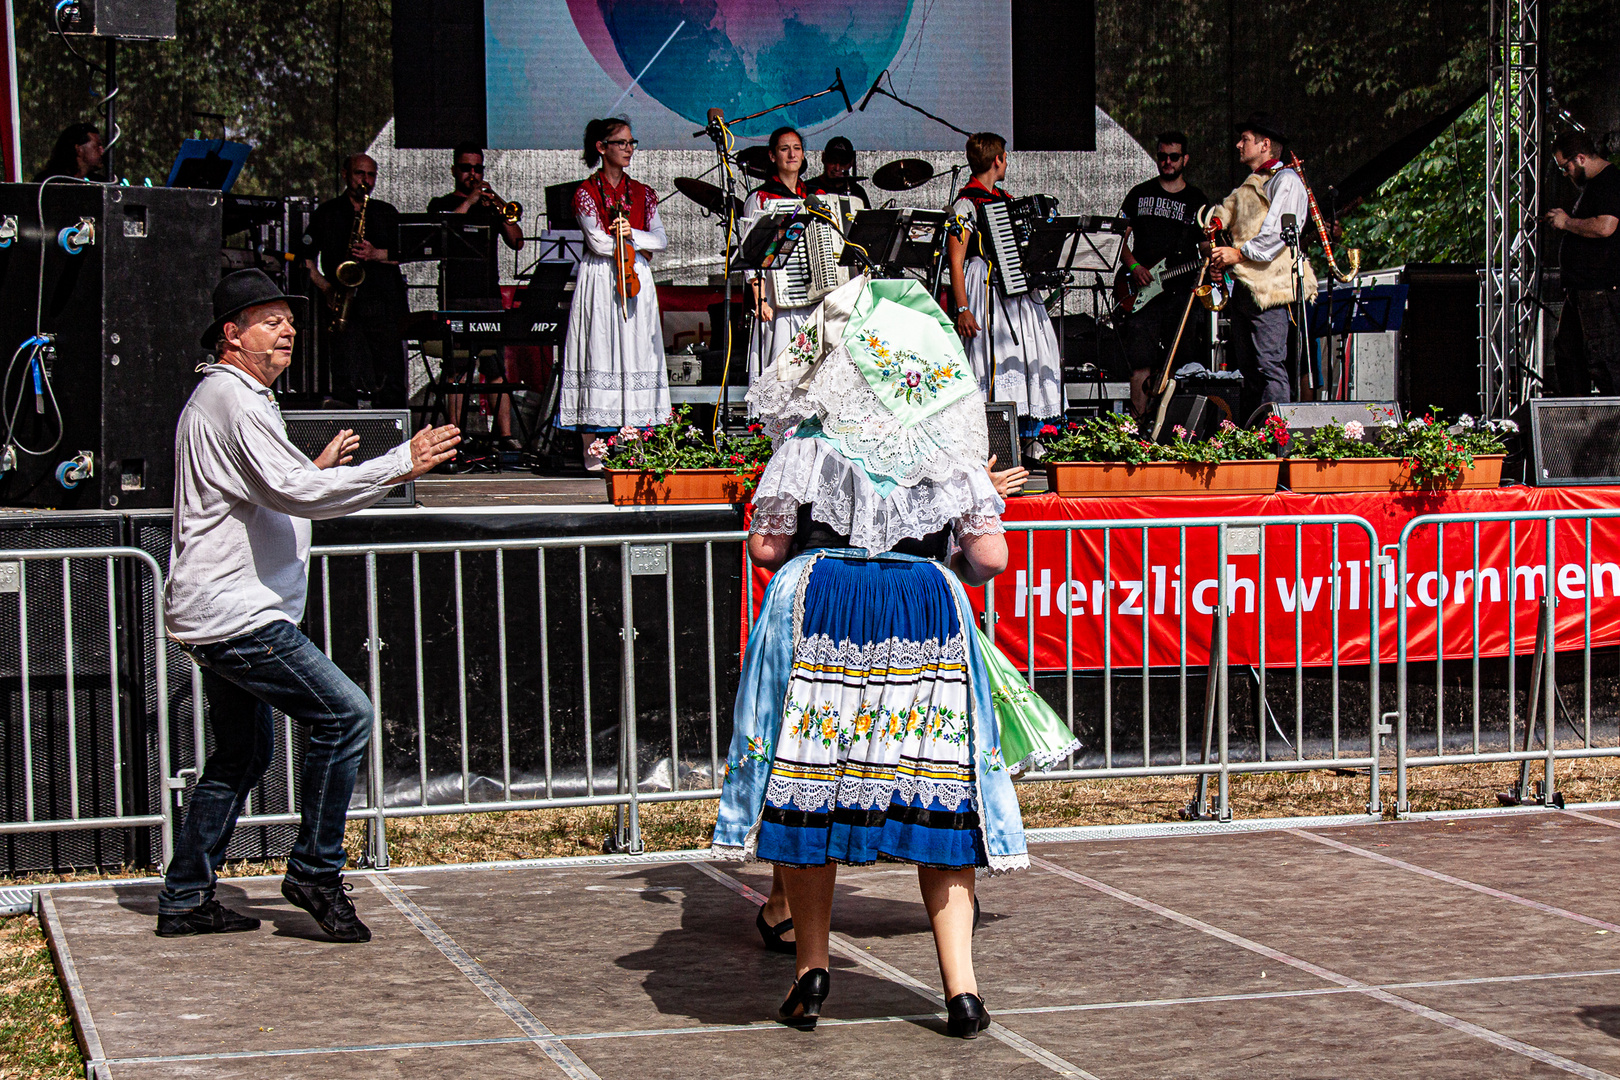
[(1388, 422), (1415, 425), (694, 432), (1510, 425), (1465, 420), (1355, 429), (629, 434), (597, 449)]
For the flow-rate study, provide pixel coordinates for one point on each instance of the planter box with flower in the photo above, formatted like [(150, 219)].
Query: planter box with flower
[(676, 463), (1422, 454), (1107, 456)]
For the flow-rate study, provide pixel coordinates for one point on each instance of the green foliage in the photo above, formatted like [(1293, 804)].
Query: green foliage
[(304, 81), (677, 444), (1434, 209), (1115, 437), (1438, 452)]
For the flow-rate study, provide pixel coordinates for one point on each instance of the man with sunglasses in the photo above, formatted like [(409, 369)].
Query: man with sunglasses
[(1587, 346), (473, 284), (1163, 237)]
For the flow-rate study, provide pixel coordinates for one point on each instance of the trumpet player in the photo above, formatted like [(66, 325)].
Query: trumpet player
[(1259, 258), (364, 352), (477, 284)]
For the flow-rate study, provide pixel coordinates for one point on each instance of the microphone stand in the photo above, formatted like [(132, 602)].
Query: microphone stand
[(1301, 334)]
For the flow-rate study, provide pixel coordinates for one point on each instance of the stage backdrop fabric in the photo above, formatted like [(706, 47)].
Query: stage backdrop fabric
[(551, 64), (1510, 579)]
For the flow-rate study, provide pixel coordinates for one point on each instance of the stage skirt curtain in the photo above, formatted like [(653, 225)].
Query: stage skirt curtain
[(864, 727), (1029, 369), (613, 367)]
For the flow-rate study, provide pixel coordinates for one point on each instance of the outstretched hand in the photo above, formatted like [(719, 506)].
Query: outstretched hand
[(1007, 481), (430, 447), (340, 451)]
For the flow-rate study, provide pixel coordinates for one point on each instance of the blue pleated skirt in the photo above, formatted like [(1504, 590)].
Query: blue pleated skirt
[(874, 755)]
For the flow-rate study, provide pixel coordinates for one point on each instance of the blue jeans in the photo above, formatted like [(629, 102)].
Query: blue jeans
[(274, 666)]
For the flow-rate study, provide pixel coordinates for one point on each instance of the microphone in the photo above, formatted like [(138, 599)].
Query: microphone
[(713, 128), (1290, 228), (844, 93), (868, 98)]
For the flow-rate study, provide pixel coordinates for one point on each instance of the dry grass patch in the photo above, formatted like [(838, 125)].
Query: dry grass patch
[(36, 1036)]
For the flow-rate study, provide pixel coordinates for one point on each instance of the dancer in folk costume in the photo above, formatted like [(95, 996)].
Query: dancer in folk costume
[(613, 363), (1013, 348), (865, 724), (776, 322)]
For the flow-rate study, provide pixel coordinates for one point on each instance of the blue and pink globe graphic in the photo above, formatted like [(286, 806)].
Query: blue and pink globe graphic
[(744, 55)]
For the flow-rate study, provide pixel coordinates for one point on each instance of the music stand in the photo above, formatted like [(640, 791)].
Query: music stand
[(772, 241), (421, 238), (896, 237), (1095, 244), (560, 206), (1375, 309), (208, 163)]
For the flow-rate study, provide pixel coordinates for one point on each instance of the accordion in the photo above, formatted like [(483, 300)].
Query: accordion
[(1006, 226), (812, 271)]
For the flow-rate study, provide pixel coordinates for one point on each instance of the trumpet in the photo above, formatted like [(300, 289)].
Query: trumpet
[(510, 212)]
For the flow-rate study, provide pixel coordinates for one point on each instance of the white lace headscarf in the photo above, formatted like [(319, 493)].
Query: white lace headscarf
[(865, 470)]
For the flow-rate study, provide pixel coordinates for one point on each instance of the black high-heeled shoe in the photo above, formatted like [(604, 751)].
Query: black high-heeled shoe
[(803, 1007), (966, 1016), (772, 935)]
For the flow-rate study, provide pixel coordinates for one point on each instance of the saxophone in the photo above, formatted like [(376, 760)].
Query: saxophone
[(1352, 255), (350, 273)]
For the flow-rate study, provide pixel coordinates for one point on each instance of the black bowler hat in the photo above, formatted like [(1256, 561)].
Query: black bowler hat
[(839, 148), (1262, 123), (237, 292)]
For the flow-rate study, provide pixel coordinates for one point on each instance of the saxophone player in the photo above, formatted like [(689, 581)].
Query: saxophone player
[(366, 355)]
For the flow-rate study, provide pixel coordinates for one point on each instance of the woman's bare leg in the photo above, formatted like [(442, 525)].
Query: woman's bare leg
[(810, 893), (948, 896), (776, 906)]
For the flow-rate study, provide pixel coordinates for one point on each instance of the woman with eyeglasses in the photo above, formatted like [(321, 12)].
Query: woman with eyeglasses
[(776, 323), (613, 363)]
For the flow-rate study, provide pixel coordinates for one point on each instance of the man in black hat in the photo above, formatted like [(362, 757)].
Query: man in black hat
[(838, 171), (238, 572), (1263, 260)]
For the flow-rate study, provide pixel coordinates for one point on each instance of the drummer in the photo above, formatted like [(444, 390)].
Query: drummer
[(838, 171), (775, 322)]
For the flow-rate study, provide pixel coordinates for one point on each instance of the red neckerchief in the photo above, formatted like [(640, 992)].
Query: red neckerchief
[(631, 198), (1271, 166), (775, 189), (978, 193)]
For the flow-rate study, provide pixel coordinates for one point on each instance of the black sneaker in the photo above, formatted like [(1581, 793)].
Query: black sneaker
[(209, 917), (331, 907)]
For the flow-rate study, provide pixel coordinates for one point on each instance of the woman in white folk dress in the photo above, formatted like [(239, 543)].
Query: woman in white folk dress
[(775, 323), (613, 363), (1017, 336)]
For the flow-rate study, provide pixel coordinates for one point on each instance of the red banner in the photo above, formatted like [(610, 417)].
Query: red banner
[(1302, 584)]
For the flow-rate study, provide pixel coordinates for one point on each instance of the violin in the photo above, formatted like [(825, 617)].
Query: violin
[(624, 266)]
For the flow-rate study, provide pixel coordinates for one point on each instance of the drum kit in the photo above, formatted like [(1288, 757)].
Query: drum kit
[(754, 161)]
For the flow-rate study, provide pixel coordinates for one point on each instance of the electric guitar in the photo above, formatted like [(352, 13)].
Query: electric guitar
[(1130, 296)]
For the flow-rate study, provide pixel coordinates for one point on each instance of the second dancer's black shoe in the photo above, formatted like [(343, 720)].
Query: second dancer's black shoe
[(803, 1007), (966, 1016), (772, 935)]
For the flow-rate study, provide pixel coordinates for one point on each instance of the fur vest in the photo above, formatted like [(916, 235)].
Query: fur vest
[(1270, 283)]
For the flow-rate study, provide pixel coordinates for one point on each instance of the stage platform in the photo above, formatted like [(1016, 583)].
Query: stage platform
[(1463, 946)]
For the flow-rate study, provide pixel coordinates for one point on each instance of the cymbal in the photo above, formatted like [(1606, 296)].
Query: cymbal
[(756, 162), (903, 175), (706, 195)]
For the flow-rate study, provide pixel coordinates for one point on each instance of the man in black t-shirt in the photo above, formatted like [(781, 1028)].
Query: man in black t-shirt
[(473, 284), (1587, 347), (1162, 242), (367, 357)]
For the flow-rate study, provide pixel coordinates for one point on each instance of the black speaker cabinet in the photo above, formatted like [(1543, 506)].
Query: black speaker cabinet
[(1568, 442), (124, 314), (1001, 418), (1439, 358), (380, 430), (127, 20), (1192, 413), (1310, 415)]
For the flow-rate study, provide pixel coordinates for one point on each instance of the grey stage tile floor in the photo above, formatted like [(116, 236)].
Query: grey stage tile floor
[(1437, 948)]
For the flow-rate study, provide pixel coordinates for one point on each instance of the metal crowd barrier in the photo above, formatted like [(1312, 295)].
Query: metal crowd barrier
[(75, 753), (1539, 585), (1231, 539), (564, 672)]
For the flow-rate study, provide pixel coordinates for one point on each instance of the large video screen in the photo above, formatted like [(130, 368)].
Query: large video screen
[(552, 65)]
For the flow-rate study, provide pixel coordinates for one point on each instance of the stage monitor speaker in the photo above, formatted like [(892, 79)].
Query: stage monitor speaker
[(1001, 418), (125, 20), (1310, 415), (1193, 413), (1568, 442), (380, 430), (1439, 342), (124, 313)]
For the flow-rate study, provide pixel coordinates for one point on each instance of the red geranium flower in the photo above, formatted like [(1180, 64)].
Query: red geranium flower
[(736, 459), (1048, 429)]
